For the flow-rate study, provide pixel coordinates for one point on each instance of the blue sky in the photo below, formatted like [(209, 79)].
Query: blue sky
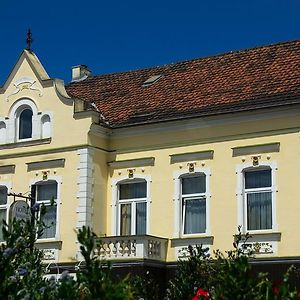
[(114, 35)]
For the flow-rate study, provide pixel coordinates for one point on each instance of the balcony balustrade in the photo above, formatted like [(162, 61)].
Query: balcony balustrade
[(131, 247)]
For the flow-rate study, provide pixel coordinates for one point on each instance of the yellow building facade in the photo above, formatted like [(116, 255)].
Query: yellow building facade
[(177, 155)]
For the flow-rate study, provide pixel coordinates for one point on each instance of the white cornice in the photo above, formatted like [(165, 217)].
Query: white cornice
[(99, 130), (206, 121)]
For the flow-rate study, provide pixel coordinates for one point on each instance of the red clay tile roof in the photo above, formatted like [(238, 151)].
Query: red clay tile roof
[(244, 80)]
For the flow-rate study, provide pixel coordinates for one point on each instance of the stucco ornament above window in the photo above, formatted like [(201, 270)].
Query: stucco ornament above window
[(25, 83)]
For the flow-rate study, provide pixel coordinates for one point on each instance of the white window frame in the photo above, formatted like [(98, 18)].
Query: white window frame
[(242, 195), (7, 205), (14, 120), (46, 131), (178, 207), (58, 180), (3, 131), (116, 203)]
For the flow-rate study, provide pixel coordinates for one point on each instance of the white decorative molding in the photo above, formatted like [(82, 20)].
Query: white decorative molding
[(85, 196), (50, 250), (262, 243), (131, 247), (85, 187), (181, 246), (27, 143), (25, 83), (13, 119), (42, 125), (262, 248), (50, 254)]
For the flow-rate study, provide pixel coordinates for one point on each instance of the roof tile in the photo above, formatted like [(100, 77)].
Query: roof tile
[(249, 79)]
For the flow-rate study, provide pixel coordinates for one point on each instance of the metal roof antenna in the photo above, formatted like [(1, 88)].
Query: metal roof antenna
[(29, 39)]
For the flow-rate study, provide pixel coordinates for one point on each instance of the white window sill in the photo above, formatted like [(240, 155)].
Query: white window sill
[(264, 236), (48, 243), (204, 239), (25, 143), (195, 235), (24, 140)]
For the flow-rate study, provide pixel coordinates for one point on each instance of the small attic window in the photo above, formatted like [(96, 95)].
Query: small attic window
[(151, 80), (140, 117)]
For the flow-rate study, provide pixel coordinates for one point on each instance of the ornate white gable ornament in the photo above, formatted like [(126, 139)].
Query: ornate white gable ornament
[(25, 83)]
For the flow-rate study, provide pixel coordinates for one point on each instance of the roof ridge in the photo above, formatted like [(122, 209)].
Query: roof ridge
[(243, 50)]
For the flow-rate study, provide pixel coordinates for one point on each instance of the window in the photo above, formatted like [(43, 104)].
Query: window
[(46, 192), (132, 208), (25, 124), (193, 203), (258, 199), (3, 208)]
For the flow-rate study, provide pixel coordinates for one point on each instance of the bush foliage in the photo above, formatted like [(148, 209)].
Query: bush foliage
[(225, 276)]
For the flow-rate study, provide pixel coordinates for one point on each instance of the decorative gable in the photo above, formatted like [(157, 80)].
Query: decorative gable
[(28, 101)]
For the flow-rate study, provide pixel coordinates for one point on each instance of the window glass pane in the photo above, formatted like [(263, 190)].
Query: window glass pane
[(3, 195), (133, 190), (46, 191), (25, 124), (259, 211), (141, 213), (258, 179), (195, 216), (49, 220), (193, 185), (125, 224), (2, 217)]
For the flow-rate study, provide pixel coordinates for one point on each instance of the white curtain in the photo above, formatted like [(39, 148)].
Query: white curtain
[(49, 220), (125, 226), (259, 210), (195, 216), (141, 213)]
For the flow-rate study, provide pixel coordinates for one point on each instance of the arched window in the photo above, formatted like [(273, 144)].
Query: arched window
[(193, 203), (46, 126), (132, 207), (25, 124)]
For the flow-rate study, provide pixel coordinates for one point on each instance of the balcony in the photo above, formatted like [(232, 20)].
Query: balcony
[(131, 247)]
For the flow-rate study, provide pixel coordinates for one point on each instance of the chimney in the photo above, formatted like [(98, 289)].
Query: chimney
[(80, 72)]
